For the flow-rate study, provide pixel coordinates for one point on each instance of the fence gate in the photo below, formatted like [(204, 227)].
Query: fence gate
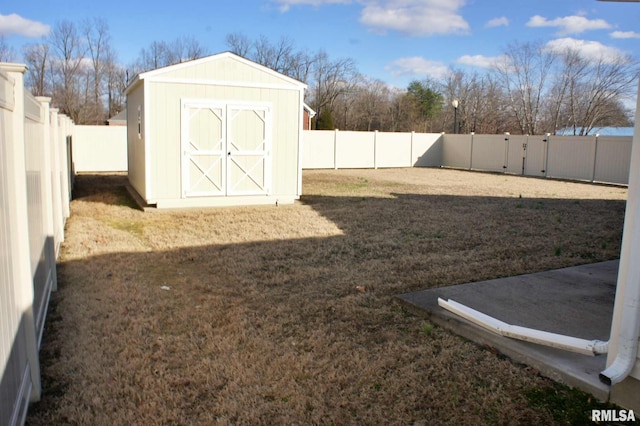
[(535, 155), (225, 149)]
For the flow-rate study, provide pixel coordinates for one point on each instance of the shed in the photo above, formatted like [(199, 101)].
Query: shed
[(120, 119), (216, 131)]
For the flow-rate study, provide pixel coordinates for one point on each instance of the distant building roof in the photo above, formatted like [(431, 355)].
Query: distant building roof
[(120, 119), (605, 131)]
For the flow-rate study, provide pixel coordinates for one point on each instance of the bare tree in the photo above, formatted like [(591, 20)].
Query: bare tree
[(523, 74), (281, 56), (7, 54), (38, 78), (371, 105), (571, 69), (161, 54), (595, 95), (239, 44), (68, 55), (116, 83), (274, 56), (331, 79), (300, 65), (402, 112), (97, 38), (183, 49)]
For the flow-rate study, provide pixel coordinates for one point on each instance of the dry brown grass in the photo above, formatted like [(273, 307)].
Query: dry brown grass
[(286, 315)]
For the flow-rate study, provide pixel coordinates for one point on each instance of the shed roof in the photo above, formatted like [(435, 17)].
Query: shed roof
[(119, 118), (160, 72)]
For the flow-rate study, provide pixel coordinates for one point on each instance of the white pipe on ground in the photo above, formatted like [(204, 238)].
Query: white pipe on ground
[(573, 344)]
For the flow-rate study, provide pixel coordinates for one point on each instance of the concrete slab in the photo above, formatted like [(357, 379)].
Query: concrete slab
[(576, 301)]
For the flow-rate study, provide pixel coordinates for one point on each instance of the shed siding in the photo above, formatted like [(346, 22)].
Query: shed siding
[(136, 145), (164, 100)]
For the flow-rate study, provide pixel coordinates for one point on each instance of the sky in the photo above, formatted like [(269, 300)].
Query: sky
[(395, 41)]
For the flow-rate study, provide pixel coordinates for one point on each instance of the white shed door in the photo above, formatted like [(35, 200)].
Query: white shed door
[(226, 149), (248, 150)]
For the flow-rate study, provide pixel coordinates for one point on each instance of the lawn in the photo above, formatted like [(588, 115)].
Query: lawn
[(287, 315)]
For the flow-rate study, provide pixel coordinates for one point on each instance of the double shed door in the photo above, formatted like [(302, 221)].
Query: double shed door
[(226, 149)]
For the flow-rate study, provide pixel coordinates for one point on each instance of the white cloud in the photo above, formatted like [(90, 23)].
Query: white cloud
[(285, 5), (625, 34), (480, 61), (569, 24), (17, 25), (591, 50), (417, 66), (414, 17), (497, 22)]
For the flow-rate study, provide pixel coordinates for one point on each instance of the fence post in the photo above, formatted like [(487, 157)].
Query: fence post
[(56, 189), (335, 149), (411, 162), (547, 141), (47, 194), (375, 149), (64, 165), (505, 167), (595, 158), (20, 231), (471, 152)]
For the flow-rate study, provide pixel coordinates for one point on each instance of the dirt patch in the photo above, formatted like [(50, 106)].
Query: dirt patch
[(262, 315)]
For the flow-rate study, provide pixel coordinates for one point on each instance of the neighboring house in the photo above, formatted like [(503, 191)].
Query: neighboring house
[(601, 131), (220, 130), (308, 115), (120, 119)]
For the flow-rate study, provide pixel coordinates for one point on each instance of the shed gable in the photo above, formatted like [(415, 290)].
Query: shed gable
[(223, 69)]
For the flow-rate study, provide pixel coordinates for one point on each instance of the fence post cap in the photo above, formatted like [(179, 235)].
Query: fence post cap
[(13, 67)]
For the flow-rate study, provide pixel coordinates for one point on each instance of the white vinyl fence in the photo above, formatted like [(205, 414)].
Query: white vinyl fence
[(334, 149), (100, 148), (35, 185), (589, 158)]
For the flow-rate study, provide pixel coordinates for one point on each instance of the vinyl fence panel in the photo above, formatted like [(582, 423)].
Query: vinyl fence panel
[(488, 152), (392, 149), (42, 255), (15, 372), (355, 150), (456, 151), (100, 148), (571, 157), (613, 156), (318, 149), (426, 150)]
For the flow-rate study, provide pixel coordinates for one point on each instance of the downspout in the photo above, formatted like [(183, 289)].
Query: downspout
[(560, 341), (628, 276)]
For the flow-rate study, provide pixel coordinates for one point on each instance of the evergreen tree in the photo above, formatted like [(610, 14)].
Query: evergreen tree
[(325, 120)]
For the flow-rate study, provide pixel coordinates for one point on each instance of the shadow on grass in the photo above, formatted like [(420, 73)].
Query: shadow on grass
[(304, 330), (108, 189)]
